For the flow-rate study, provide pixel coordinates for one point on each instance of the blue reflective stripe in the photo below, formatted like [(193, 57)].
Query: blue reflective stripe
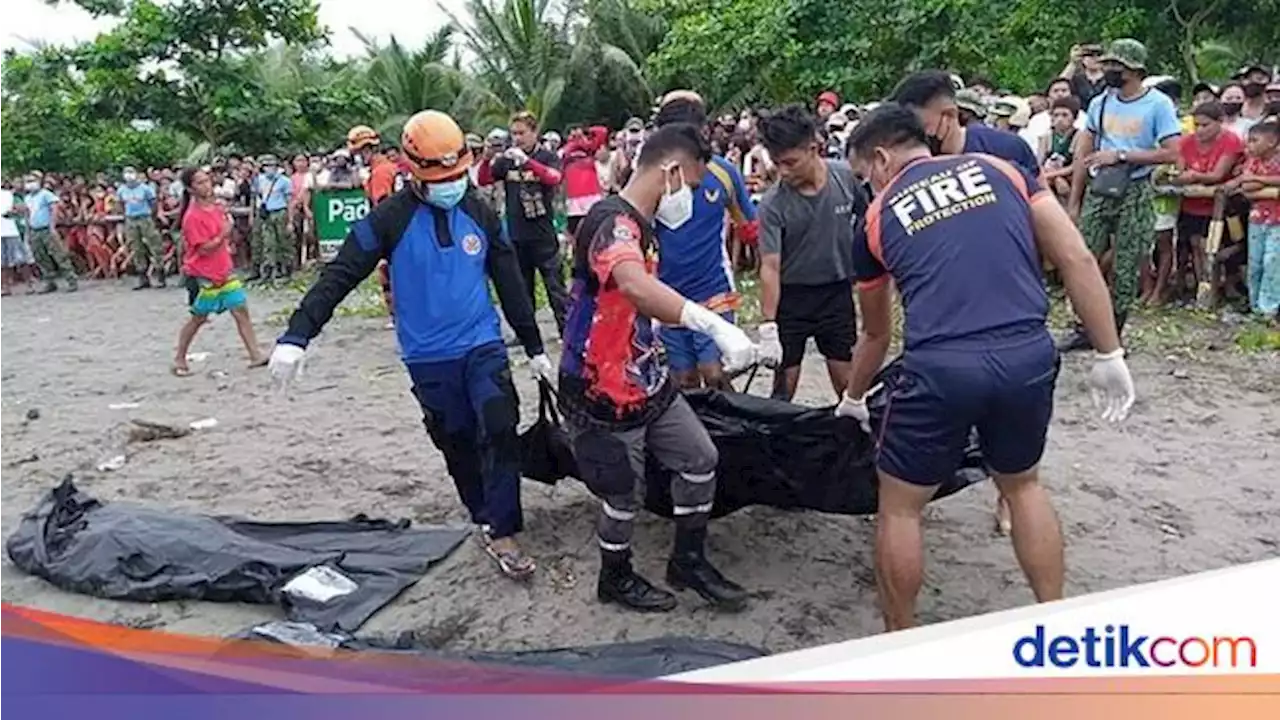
[(292, 340)]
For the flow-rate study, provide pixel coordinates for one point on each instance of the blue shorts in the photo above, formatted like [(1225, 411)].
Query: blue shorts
[(205, 298), (941, 394), (687, 349)]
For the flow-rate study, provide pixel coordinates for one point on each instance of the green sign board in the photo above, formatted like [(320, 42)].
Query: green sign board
[(334, 211)]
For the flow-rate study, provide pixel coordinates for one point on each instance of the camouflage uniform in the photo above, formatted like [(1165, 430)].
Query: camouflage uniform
[(1130, 221), (275, 244), (147, 245), (51, 256), (1127, 224)]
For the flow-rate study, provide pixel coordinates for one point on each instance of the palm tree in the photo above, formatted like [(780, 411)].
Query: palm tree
[(560, 60), (406, 81)]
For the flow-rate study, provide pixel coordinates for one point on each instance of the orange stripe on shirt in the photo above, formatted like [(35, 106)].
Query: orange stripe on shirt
[(1011, 172), (872, 222)]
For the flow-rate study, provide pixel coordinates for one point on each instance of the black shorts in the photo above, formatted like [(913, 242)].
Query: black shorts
[(822, 312), (1192, 226)]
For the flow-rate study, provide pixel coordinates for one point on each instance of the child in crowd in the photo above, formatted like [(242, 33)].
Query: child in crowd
[(207, 266), (1259, 180)]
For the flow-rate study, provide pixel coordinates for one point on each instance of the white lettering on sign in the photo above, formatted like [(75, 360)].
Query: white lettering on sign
[(347, 209), (942, 195)]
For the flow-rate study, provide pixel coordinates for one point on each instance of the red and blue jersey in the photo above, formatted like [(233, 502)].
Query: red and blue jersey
[(611, 371), (693, 259), (955, 234)]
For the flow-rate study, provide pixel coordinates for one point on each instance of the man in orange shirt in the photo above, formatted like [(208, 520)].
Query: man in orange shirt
[(363, 141)]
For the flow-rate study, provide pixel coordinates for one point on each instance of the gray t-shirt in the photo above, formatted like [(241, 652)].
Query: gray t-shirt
[(814, 235)]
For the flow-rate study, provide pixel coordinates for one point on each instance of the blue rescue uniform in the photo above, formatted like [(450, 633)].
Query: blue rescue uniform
[(955, 235), (449, 335), (694, 261)]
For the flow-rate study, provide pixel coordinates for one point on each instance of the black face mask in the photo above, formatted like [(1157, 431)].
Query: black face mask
[(1273, 107), (1254, 90), (1113, 78), (935, 144), (1232, 108)]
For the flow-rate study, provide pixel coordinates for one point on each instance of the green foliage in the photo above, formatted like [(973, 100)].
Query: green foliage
[(253, 75), (774, 51)]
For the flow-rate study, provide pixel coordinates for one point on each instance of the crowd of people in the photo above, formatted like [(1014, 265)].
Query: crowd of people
[(965, 199)]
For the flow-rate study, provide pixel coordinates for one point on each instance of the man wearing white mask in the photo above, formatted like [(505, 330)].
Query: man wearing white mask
[(693, 258), (616, 391), (444, 246), (139, 201), (46, 244), (806, 253)]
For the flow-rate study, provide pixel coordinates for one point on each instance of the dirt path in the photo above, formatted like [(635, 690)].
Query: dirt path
[(1191, 483)]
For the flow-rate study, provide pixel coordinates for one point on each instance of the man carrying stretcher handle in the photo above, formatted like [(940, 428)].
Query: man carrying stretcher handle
[(961, 237), (616, 391)]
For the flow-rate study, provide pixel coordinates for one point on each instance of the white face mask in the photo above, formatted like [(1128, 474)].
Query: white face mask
[(676, 206)]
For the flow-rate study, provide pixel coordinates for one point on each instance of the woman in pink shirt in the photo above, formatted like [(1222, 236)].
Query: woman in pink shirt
[(207, 266)]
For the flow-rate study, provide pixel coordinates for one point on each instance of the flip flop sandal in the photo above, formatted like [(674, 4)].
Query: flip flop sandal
[(513, 563), (180, 372), (261, 363)]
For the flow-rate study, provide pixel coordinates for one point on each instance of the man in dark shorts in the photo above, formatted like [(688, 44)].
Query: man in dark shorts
[(961, 238), (806, 253), (616, 391)]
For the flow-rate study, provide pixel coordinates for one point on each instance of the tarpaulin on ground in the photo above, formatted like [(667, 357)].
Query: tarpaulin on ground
[(633, 660), (772, 453), (334, 575)]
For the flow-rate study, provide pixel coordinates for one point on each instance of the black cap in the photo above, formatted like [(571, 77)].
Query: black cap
[(1251, 68), (1203, 87)]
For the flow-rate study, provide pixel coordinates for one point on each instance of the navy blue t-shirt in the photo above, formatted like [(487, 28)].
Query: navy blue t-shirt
[(955, 234), (1002, 144)]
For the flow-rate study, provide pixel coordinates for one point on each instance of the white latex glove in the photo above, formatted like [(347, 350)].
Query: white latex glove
[(736, 349), (855, 408), (541, 366), (1112, 385), (286, 363), (770, 347), (517, 156)]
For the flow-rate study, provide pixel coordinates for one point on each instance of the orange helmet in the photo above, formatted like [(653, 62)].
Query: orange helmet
[(361, 136), (435, 147)]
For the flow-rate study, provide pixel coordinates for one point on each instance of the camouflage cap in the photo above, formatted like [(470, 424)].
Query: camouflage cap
[(1128, 52), (970, 100)]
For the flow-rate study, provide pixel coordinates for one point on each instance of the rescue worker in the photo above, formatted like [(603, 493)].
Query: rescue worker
[(364, 142), (443, 246), (961, 237), (620, 404), (693, 256)]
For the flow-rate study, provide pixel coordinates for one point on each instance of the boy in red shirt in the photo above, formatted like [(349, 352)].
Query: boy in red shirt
[(1205, 158)]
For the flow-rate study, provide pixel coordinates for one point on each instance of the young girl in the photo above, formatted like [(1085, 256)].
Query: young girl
[(207, 267), (1259, 180)]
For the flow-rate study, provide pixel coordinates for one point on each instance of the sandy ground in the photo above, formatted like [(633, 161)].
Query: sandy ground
[(1189, 484)]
